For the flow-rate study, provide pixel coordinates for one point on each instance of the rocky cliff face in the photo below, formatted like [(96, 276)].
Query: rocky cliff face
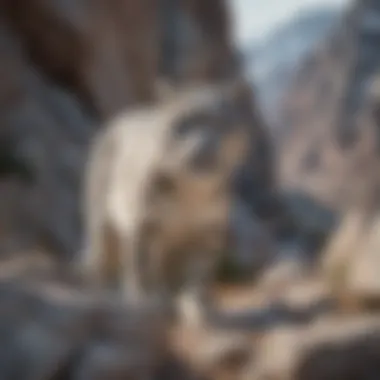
[(330, 149), (326, 140)]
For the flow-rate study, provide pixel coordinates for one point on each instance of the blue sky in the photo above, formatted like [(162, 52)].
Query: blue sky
[(255, 18)]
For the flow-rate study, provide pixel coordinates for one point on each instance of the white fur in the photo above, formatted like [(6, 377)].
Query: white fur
[(122, 161)]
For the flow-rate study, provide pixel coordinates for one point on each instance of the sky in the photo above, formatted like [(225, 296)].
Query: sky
[(255, 18)]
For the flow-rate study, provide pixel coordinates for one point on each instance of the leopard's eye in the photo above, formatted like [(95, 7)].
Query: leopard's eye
[(164, 184)]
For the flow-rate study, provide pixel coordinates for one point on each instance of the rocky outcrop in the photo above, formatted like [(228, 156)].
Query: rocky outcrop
[(55, 330), (326, 142), (196, 41), (350, 260), (331, 349), (331, 150), (50, 331)]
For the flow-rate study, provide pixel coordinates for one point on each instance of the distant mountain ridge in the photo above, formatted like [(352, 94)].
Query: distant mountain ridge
[(273, 63)]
